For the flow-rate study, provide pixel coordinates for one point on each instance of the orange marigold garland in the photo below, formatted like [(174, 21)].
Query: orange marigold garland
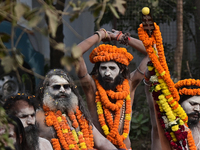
[(104, 106), (170, 113), (67, 137), (188, 82), (106, 52)]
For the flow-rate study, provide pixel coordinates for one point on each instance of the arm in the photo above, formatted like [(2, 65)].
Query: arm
[(86, 80), (84, 46), (100, 142)]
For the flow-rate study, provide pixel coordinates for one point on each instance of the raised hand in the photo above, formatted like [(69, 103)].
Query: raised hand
[(115, 34)]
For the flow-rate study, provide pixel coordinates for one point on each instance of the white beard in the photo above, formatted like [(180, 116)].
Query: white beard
[(62, 104)]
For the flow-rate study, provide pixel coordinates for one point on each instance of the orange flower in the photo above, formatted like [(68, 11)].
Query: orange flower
[(102, 96), (107, 52), (155, 50), (63, 130)]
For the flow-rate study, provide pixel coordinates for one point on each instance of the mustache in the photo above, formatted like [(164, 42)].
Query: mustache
[(107, 78), (61, 94), (30, 128), (194, 113)]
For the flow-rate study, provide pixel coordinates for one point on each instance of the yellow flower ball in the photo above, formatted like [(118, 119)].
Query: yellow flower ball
[(145, 11)]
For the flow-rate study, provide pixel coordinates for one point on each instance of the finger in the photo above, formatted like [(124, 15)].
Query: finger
[(109, 32), (113, 30)]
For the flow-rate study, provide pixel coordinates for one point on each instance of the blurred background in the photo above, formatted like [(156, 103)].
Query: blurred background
[(37, 35)]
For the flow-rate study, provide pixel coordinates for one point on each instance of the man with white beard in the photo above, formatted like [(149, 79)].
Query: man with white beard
[(64, 120)]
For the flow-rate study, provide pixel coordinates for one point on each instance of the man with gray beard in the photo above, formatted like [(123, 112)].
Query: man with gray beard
[(64, 119), (24, 107)]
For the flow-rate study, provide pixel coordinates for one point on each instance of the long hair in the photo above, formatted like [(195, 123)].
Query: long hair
[(125, 70), (19, 131), (60, 72)]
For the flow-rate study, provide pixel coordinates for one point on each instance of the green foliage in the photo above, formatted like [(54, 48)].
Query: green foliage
[(4, 138), (139, 125), (140, 129)]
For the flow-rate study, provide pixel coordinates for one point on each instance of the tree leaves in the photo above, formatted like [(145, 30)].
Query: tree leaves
[(20, 10), (53, 21), (119, 4)]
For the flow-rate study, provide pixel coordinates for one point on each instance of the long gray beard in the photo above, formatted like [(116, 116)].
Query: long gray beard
[(63, 104)]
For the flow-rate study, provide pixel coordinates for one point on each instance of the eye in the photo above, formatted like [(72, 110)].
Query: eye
[(191, 103), (66, 86), (103, 68), (112, 68), (56, 87), (33, 115)]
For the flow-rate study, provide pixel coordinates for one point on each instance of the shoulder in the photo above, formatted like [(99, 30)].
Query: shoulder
[(44, 144)]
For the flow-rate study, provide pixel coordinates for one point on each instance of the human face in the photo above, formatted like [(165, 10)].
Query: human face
[(11, 133), (108, 71), (59, 86), (25, 113), (192, 108)]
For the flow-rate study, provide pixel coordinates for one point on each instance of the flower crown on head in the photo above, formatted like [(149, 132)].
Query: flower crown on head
[(106, 52), (182, 87)]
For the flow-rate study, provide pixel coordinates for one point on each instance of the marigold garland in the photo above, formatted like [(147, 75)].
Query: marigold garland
[(188, 82), (104, 106), (106, 52), (171, 116), (67, 137)]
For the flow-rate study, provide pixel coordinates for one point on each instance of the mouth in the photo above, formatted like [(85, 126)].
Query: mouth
[(195, 116), (62, 96)]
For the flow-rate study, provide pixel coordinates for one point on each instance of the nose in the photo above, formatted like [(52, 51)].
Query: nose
[(30, 120), (197, 108), (107, 73), (62, 89)]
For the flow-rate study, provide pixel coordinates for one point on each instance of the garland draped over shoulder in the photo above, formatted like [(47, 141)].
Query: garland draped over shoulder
[(171, 115), (108, 123), (67, 137)]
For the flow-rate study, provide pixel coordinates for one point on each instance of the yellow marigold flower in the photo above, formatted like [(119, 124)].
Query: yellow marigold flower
[(161, 81), (59, 119), (83, 145), (125, 135), (158, 87), (161, 96), (157, 74), (173, 137), (105, 129), (128, 116), (99, 104), (181, 122), (71, 146), (100, 111), (170, 99), (150, 68), (163, 73), (65, 131), (80, 133), (128, 97), (168, 109), (175, 128), (166, 92), (75, 135), (174, 103)]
